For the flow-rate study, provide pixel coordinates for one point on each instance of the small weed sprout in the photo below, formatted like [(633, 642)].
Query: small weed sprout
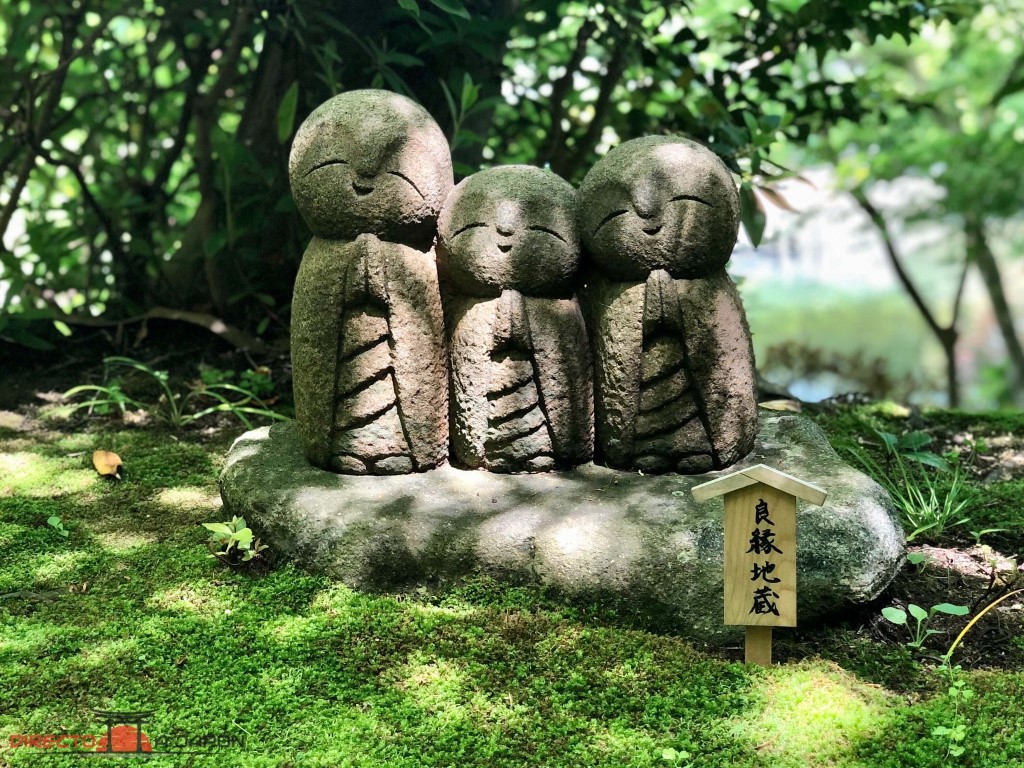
[(176, 409), (233, 542), (955, 731), (925, 504), (977, 535), (921, 631), (57, 525), (677, 757)]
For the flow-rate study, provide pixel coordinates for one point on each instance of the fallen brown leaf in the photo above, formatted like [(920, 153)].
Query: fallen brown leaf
[(107, 463)]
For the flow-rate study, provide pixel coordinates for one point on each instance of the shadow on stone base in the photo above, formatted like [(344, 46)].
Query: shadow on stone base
[(639, 542)]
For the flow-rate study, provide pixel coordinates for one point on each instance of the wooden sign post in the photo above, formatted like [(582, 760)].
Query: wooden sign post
[(760, 550)]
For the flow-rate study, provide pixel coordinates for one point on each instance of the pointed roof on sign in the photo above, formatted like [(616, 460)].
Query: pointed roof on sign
[(760, 473)]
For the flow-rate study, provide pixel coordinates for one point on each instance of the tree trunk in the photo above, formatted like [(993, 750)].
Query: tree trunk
[(946, 335), (978, 249)]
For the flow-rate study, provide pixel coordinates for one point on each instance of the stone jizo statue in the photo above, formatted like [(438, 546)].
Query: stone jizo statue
[(504, 360), (369, 171), (673, 363), (508, 251)]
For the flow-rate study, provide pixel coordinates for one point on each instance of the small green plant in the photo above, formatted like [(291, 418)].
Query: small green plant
[(678, 757), (957, 692), (175, 409), (911, 446), (921, 631), (57, 525), (976, 535), (258, 381), (924, 501), (233, 541)]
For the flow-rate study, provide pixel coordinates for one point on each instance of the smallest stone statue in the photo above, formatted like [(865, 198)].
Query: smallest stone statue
[(673, 363), (508, 254)]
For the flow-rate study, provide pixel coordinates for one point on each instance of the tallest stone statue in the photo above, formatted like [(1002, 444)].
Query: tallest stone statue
[(369, 171)]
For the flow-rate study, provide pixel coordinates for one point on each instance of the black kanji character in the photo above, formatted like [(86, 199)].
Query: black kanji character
[(763, 572), (763, 542), (764, 602)]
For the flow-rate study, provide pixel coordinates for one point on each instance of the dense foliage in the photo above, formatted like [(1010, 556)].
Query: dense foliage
[(142, 163)]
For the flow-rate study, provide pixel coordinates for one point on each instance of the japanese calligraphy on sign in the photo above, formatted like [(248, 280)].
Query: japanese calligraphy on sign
[(760, 557), (760, 550)]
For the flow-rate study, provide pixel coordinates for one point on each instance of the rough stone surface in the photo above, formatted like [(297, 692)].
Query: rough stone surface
[(512, 227), (521, 393), (674, 381), (368, 358), (659, 202), (369, 171), (371, 162), (592, 533)]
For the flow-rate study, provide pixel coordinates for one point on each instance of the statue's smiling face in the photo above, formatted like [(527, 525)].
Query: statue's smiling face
[(659, 203), (370, 161), (512, 227)]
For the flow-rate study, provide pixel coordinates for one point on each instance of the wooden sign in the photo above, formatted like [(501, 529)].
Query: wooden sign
[(760, 550)]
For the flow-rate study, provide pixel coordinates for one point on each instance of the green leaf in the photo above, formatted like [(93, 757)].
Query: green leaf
[(752, 214), (951, 610), (217, 528), (917, 612), (895, 615), (448, 97), (410, 6), (470, 93), (243, 537), (403, 59), (286, 112), (54, 521), (914, 441), (928, 458), (915, 558), (452, 7), (888, 439), (752, 127)]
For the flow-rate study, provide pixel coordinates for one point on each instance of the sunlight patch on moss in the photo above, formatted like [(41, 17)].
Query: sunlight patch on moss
[(120, 541), (25, 472), (186, 598), (188, 498), (291, 628), (438, 685), (112, 654), (815, 712), (335, 597), (59, 566), (19, 637), (462, 611)]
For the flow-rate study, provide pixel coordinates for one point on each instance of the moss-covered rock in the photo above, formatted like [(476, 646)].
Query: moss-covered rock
[(593, 533)]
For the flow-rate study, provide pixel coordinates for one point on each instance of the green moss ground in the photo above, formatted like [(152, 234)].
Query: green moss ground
[(130, 612)]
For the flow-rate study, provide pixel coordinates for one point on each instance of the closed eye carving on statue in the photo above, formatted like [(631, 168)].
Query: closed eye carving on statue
[(545, 230), (608, 218), (409, 181), (467, 227), (694, 198), (325, 163)]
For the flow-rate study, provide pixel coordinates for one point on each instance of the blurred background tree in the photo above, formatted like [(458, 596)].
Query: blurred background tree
[(144, 147), (949, 108)]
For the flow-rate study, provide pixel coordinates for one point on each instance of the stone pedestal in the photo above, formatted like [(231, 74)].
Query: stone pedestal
[(593, 533)]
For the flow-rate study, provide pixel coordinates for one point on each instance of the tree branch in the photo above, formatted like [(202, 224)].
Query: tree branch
[(897, 264), (560, 89), (566, 166)]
